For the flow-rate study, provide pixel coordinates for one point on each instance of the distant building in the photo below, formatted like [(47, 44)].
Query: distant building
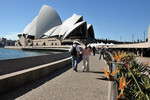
[(5, 42), (49, 25)]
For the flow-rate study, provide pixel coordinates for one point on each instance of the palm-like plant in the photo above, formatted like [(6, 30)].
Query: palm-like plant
[(139, 87)]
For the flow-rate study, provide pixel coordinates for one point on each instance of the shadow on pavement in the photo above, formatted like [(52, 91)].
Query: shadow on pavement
[(97, 72), (13, 94)]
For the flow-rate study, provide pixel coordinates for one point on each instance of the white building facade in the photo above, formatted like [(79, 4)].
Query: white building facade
[(49, 25)]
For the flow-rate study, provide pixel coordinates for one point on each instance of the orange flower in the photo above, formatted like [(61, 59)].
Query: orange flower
[(122, 84), (120, 95), (119, 56), (122, 55), (110, 75), (147, 63), (116, 57), (113, 73), (128, 58)]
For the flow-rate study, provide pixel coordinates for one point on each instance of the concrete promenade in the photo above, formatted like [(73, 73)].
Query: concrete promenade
[(143, 59), (66, 84)]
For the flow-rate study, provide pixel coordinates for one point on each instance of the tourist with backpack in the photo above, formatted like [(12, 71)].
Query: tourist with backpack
[(74, 50)]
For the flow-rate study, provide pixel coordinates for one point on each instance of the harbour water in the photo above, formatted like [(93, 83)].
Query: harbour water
[(11, 53)]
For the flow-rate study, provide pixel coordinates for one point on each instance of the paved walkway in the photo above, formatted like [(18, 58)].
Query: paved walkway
[(143, 59), (70, 85)]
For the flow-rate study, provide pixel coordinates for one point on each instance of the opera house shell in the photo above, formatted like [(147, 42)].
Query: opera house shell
[(48, 24)]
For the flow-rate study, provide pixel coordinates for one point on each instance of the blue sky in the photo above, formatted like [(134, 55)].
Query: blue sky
[(111, 19)]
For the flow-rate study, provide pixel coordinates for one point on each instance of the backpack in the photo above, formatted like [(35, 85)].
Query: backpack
[(73, 51), (102, 50)]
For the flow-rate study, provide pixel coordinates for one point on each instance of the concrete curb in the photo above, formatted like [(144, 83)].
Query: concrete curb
[(13, 65), (19, 78), (109, 84), (112, 87)]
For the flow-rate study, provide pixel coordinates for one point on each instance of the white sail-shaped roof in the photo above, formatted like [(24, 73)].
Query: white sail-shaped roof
[(48, 33), (72, 20), (47, 19), (32, 31), (26, 30), (90, 31), (48, 24), (57, 31), (88, 26), (69, 23), (73, 28), (29, 29)]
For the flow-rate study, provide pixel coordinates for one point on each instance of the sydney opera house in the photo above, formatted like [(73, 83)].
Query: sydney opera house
[(48, 29)]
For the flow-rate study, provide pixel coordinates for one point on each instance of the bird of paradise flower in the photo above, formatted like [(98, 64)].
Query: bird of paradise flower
[(122, 84), (119, 56), (109, 76)]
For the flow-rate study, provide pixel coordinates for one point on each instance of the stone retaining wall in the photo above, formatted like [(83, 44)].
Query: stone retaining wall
[(13, 65), (19, 78)]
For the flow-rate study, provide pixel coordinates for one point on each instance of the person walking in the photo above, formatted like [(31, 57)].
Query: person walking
[(74, 50), (86, 53), (101, 52), (93, 49)]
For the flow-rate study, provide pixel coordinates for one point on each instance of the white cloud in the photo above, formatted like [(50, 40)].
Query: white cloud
[(11, 35)]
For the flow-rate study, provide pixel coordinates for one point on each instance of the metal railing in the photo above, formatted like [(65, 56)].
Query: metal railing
[(113, 91)]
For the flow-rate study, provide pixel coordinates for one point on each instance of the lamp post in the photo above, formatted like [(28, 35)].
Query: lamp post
[(120, 38), (144, 36), (132, 37)]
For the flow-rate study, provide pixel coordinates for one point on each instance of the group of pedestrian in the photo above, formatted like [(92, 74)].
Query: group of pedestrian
[(102, 51), (85, 52), (75, 51)]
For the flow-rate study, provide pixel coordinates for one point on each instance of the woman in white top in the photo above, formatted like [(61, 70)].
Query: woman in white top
[(86, 53)]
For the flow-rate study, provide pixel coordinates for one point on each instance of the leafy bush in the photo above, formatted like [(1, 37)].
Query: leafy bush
[(136, 74)]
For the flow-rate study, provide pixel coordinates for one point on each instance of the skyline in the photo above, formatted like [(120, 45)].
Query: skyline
[(114, 20)]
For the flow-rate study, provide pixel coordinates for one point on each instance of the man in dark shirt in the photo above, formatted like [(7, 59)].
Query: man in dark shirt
[(74, 56)]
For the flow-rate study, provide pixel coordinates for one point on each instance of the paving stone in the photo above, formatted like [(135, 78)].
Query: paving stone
[(72, 85)]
